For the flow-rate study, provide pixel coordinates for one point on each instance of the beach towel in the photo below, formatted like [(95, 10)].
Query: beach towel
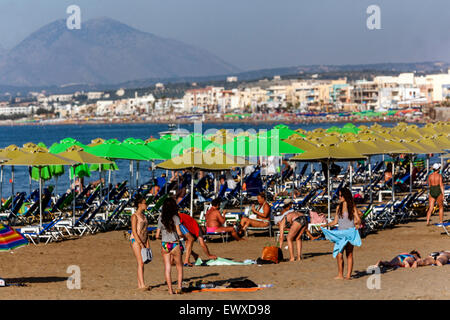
[(223, 262), (340, 238), (228, 289)]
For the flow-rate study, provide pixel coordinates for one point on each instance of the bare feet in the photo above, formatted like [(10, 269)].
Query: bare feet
[(213, 257), (339, 278), (414, 265), (348, 278), (291, 260)]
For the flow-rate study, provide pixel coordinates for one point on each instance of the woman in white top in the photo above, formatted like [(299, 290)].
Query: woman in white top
[(259, 218)]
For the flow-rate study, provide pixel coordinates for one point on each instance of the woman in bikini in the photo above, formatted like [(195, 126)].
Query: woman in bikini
[(259, 218), (436, 193), (171, 246), (297, 224), (139, 237), (405, 260), (439, 258)]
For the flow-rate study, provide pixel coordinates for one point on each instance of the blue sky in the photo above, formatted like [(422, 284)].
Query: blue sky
[(254, 34)]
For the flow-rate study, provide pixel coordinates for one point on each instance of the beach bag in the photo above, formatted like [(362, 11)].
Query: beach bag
[(272, 253), (147, 255)]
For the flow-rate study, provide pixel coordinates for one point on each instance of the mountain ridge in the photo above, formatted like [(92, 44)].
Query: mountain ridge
[(103, 51)]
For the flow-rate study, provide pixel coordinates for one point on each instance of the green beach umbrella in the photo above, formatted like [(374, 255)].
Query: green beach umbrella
[(113, 149)]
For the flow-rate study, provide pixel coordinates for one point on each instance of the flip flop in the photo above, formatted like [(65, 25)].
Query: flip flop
[(188, 265)]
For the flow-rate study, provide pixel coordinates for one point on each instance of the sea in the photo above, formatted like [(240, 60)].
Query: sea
[(48, 134)]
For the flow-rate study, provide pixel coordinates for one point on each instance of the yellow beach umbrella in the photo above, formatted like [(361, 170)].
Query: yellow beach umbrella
[(39, 159)]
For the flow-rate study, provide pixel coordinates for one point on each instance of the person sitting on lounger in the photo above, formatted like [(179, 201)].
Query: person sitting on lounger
[(259, 218), (215, 221), (405, 260), (155, 189), (191, 232), (439, 258)]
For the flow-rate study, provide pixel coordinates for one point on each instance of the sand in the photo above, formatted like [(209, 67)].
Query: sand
[(108, 269)]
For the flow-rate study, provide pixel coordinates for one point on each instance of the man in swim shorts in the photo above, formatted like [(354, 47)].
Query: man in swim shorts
[(215, 221)]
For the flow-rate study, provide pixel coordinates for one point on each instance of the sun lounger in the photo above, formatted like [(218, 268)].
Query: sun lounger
[(47, 232)]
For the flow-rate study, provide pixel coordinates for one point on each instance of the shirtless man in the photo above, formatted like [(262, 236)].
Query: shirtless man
[(440, 258), (436, 193), (215, 221)]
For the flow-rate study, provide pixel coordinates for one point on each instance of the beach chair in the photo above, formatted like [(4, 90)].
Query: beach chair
[(12, 215), (47, 232), (7, 204), (445, 226), (267, 229), (211, 235)]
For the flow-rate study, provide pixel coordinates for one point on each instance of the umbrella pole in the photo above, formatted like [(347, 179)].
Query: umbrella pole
[(393, 180), (100, 179), (1, 184), (428, 165), (240, 191), (73, 200), (40, 199), (56, 186), (131, 174), (328, 188), (192, 193), (351, 177), (410, 173), (370, 177), (29, 179), (137, 174), (12, 180)]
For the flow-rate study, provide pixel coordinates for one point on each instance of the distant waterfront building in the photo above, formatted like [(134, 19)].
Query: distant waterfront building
[(9, 110), (232, 79), (159, 85), (94, 95)]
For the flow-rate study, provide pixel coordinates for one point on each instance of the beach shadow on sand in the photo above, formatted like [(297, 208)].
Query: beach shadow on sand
[(361, 274), (28, 280)]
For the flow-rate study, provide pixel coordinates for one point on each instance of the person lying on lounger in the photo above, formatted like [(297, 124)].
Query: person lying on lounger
[(439, 258), (402, 260)]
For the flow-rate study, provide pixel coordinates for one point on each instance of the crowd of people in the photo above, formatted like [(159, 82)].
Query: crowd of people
[(178, 231)]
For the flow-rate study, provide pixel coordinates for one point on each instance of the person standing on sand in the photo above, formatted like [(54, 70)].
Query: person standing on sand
[(348, 220), (171, 246), (139, 237), (436, 193), (297, 224)]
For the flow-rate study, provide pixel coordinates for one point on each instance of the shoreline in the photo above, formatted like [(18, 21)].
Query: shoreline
[(8, 123)]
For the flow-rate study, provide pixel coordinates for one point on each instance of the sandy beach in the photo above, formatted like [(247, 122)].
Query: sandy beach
[(108, 269)]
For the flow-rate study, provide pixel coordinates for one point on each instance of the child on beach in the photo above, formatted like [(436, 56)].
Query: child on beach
[(171, 246)]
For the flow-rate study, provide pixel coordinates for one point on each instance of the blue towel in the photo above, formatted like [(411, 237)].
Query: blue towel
[(341, 238)]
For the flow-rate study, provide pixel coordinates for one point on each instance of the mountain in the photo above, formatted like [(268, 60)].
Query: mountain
[(103, 51)]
